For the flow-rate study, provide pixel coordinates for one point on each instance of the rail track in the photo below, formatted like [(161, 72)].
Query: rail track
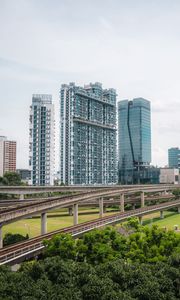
[(9, 215), (32, 247)]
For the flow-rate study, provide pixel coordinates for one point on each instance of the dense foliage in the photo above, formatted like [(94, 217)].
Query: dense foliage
[(10, 238), (10, 178), (99, 246), (141, 264), (57, 279)]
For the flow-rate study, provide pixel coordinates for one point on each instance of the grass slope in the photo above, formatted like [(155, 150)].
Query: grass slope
[(60, 219)]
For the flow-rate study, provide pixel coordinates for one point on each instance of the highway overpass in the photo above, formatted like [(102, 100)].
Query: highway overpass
[(30, 248), (12, 214)]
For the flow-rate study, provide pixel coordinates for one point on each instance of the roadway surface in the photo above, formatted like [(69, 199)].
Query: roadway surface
[(14, 203), (9, 215)]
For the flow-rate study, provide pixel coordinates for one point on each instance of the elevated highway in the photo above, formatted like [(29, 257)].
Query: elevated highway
[(8, 215), (29, 190), (15, 203), (12, 214), (30, 248)]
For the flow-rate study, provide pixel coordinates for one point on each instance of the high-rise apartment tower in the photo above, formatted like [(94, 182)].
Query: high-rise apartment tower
[(134, 138), (87, 134), (41, 141), (7, 155)]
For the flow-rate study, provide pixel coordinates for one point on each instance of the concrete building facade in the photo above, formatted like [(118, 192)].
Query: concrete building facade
[(87, 135), (7, 155), (41, 140), (169, 176), (134, 138)]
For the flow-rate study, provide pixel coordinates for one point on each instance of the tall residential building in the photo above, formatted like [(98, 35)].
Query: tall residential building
[(134, 138), (87, 134), (41, 141), (7, 155), (174, 157)]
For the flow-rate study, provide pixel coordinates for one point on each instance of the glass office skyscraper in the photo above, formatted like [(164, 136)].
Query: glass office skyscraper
[(174, 157), (41, 140), (87, 134), (134, 124)]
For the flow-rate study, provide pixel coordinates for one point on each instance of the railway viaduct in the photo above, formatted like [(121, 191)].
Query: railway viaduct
[(83, 194), (33, 247)]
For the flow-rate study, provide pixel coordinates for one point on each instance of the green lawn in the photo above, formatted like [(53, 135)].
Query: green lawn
[(32, 225), (170, 219), (60, 219)]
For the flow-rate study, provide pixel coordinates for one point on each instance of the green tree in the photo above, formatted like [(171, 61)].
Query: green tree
[(12, 178), (3, 181), (133, 223), (63, 245), (10, 238)]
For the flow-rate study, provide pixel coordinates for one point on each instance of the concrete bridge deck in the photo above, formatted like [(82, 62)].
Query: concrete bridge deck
[(13, 214), (18, 252)]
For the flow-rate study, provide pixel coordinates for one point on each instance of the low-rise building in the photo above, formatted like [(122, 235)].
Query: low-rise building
[(25, 175), (169, 175)]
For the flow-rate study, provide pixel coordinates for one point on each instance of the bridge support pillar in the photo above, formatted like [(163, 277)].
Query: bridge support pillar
[(161, 214), (101, 207), (179, 210), (1, 237), (75, 213), (21, 197), (43, 223), (134, 206), (142, 199), (70, 211), (140, 221), (122, 202)]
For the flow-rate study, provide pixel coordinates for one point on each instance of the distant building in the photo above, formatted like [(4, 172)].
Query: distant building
[(41, 141), (2, 139), (87, 134), (134, 136), (25, 175), (7, 155), (169, 175), (147, 175), (174, 157)]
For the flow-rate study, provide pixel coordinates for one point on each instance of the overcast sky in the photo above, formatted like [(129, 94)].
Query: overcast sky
[(130, 45)]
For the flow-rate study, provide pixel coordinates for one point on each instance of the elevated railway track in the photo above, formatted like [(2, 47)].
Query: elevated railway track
[(30, 248), (8, 215)]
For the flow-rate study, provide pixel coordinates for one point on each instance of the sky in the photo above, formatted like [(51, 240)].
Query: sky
[(132, 46)]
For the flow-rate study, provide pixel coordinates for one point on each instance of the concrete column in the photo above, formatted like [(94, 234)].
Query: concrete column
[(75, 213), (161, 214), (122, 202), (134, 206), (21, 197), (1, 237), (142, 199), (101, 207), (43, 223), (140, 221), (70, 210), (179, 210)]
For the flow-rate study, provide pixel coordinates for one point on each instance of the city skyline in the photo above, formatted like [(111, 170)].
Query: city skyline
[(128, 46)]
